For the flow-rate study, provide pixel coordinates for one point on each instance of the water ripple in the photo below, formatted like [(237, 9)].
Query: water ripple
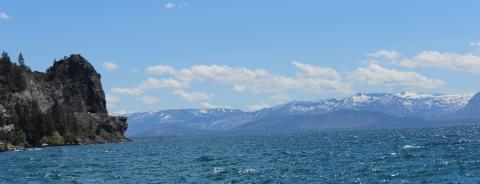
[(428, 155)]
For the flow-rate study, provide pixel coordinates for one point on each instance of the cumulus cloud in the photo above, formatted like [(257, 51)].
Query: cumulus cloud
[(161, 69), (241, 79), (256, 107), (110, 66), (151, 100), (128, 91), (152, 83), (4, 16), (193, 96), (469, 62), (375, 75), (450, 61), (307, 70), (308, 78), (170, 6), (384, 54)]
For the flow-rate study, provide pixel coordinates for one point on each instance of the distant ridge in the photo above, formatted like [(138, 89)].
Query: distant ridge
[(346, 119), (471, 110), (425, 109)]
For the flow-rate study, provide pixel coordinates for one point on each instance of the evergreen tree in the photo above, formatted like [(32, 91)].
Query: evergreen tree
[(21, 60), (5, 63), (11, 74), (5, 56), (58, 115)]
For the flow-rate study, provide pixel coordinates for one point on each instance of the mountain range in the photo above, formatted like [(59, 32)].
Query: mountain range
[(375, 110)]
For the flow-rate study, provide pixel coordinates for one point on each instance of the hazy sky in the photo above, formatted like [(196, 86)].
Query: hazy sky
[(156, 54)]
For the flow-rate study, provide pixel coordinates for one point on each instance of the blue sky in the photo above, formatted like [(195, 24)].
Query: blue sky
[(156, 54)]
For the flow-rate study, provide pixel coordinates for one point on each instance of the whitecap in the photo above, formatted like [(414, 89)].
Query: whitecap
[(462, 141), (247, 171), (48, 175), (218, 170), (410, 147)]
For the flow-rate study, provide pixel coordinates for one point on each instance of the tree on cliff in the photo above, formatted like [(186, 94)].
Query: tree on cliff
[(21, 62), (11, 74), (6, 63), (65, 105)]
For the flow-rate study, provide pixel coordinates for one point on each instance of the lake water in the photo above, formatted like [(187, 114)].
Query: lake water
[(432, 155)]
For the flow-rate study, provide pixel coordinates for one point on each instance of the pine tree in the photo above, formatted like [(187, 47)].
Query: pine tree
[(21, 62), (11, 74), (5, 56), (5, 63)]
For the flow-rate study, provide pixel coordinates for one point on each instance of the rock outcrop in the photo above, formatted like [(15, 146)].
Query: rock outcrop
[(64, 105)]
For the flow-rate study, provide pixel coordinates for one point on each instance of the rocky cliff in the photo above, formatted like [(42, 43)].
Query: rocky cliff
[(62, 106)]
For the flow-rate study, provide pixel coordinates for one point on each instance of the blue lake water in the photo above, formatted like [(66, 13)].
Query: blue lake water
[(431, 155)]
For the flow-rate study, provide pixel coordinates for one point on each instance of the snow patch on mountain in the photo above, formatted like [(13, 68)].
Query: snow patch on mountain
[(429, 106)]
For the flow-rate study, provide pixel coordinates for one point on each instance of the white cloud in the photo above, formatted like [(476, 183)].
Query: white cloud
[(384, 54), (241, 79), (375, 75), (313, 71), (450, 61), (128, 91), (112, 99), (256, 107), (193, 96), (152, 83), (4, 16), (207, 105), (149, 100), (170, 5), (161, 69), (110, 66)]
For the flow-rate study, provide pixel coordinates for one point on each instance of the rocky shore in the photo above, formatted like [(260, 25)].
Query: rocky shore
[(63, 106)]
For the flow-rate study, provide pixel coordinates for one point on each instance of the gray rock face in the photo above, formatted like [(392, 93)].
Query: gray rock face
[(72, 82), (81, 89), (64, 105)]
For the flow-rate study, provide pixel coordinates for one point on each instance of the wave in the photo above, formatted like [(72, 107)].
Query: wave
[(247, 171), (411, 147)]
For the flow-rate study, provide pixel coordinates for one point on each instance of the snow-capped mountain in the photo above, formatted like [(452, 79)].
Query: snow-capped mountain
[(404, 104), (200, 119)]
